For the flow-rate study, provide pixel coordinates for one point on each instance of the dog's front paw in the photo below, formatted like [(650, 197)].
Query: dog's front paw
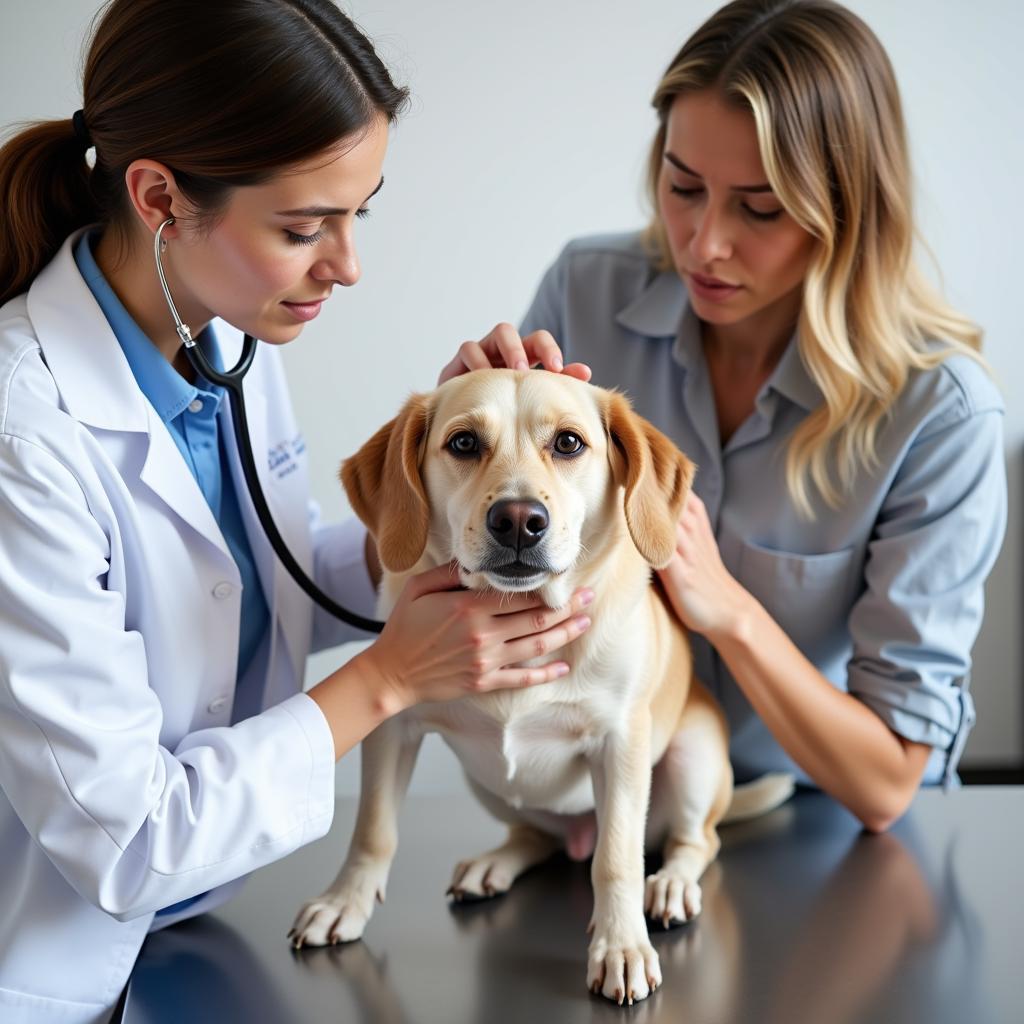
[(340, 914), (480, 878), (671, 898), (622, 971)]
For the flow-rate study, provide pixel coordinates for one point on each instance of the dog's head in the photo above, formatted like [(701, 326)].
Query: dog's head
[(518, 476)]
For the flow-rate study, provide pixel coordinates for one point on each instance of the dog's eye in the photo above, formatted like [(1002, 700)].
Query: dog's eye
[(568, 443), (464, 443)]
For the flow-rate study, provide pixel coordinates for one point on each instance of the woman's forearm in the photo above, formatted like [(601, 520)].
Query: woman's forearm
[(355, 700), (835, 738)]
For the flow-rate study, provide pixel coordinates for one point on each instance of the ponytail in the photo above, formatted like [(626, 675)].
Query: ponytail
[(46, 195)]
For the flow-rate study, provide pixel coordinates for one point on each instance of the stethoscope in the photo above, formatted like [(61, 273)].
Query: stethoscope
[(232, 382)]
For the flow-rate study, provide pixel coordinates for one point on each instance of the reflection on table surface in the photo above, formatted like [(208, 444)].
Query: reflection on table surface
[(805, 919)]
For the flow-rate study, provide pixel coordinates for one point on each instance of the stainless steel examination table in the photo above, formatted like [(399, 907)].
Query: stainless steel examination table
[(806, 919)]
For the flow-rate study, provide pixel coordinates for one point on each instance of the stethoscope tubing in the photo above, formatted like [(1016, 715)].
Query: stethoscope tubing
[(232, 381)]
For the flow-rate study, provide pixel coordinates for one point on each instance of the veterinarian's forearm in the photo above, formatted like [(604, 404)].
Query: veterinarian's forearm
[(836, 738), (354, 702)]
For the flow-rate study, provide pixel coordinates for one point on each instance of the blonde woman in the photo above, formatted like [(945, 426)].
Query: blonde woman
[(851, 497)]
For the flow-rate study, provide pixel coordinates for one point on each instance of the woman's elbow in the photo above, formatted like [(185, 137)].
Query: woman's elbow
[(888, 802), (878, 823), (881, 813)]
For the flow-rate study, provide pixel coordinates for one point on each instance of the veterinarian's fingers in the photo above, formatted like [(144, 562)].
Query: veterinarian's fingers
[(539, 644), (520, 678), (531, 617), (432, 581)]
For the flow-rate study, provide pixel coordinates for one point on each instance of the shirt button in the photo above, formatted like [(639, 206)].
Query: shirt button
[(217, 704), (223, 590), (196, 405)]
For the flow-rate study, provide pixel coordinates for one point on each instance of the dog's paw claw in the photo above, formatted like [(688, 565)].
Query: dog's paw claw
[(623, 971), (671, 899)]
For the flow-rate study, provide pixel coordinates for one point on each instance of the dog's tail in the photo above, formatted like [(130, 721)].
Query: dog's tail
[(760, 796)]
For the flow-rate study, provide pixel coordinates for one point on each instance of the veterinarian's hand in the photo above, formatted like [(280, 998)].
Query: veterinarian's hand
[(443, 642), (705, 596), (504, 347)]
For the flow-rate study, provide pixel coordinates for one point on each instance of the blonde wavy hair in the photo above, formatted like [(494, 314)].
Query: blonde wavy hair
[(832, 139)]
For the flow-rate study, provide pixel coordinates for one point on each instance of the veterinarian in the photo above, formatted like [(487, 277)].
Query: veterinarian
[(155, 745), (850, 497)]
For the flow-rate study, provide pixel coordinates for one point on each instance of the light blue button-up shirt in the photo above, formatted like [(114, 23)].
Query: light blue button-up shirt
[(884, 594), (190, 414)]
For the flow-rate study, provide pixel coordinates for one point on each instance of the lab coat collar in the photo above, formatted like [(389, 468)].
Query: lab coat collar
[(84, 357), (83, 354), (99, 390)]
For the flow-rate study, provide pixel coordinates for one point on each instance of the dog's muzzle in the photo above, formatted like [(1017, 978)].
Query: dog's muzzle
[(516, 527)]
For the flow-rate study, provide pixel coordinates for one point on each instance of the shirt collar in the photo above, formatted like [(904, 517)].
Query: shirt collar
[(662, 310), (657, 311), (168, 392), (791, 379)]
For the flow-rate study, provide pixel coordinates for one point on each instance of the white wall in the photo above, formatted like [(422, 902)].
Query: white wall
[(530, 125)]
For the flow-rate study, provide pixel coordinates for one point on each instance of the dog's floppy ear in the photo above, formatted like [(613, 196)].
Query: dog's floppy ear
[(657, 477), (384, 486)]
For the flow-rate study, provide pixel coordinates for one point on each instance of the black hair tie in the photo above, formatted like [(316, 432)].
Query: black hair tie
[(81, 128)]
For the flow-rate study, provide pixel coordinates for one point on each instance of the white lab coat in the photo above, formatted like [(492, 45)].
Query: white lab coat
[(124, 787)]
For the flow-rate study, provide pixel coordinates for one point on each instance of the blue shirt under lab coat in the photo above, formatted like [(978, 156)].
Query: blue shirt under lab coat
[(190, 414)]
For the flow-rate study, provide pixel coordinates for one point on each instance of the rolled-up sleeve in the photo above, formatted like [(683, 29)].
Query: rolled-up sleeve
[(936, 539)]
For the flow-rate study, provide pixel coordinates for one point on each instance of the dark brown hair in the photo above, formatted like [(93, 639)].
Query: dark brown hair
[(225, 94)]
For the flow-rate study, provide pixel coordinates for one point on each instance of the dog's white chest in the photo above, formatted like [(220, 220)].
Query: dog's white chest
[(537, 759)]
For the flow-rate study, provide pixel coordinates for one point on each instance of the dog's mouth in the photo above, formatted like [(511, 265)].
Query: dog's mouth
[(517, 573), (516, 570)]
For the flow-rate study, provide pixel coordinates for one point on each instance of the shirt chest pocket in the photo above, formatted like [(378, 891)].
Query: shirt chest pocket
[(809, 596)]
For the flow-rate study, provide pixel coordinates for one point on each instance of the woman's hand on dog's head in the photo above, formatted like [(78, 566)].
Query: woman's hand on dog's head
[(442, 642), (504, 348)]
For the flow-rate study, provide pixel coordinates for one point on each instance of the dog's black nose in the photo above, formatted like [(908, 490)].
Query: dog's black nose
[(517, 524)]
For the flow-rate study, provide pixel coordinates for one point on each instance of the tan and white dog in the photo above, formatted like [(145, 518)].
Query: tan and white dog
[(534, 481)]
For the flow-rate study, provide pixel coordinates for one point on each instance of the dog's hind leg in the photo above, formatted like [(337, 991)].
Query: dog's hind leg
[(690, 791), (493, 872)]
